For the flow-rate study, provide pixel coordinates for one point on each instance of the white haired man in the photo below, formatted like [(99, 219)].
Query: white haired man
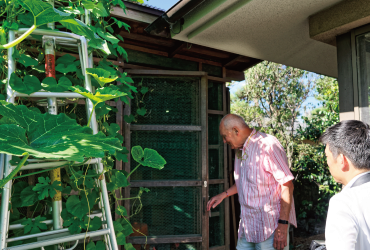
[(264, 186)]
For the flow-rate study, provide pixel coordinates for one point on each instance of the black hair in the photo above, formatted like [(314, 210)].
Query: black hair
[(350, 138)]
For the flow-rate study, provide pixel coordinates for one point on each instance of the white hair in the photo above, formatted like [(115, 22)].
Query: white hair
[(229, 121)]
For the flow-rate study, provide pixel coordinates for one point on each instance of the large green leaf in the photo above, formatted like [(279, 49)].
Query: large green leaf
[(16, 196), (50, 136), (28, 197), (28, 85), (44, 12), (101, 95), (45, 189), (67, 68), (50, 84), (74, 224), (77, 207), (101, 75), (97, 8), (34, 226), (148, 157)]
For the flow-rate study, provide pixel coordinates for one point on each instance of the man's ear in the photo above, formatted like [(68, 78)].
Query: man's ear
[(236, 130), (344, 163)]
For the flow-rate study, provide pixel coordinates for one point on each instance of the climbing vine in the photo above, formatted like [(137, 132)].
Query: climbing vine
[(27, 132)]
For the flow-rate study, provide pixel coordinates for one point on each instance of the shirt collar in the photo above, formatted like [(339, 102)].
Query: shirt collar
[(349, 185), (246, 144)]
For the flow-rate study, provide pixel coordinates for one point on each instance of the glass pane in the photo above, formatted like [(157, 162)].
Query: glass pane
[(215, 100), (363, 66), (216, 163), (172, 246), (179, 149), (214, 137), (217, 219), (168, 210), (168, 100)]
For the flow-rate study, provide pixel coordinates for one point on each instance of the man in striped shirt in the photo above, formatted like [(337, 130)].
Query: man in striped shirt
[(264, 185)]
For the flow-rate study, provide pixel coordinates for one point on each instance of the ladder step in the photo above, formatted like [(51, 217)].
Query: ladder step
[(49, 222), (25, 237), (55, 33), (54, 164), (51, 94), (60, 240)]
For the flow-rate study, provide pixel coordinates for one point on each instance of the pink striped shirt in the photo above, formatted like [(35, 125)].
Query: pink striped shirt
[(259, 171)]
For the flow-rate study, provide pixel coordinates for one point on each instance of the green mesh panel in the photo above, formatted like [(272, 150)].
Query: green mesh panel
[(214, 137), (215, 99), (179, 149), (217, 219), (172, 246), (212, 70), (169, 210), (216, 163), (170, 100)]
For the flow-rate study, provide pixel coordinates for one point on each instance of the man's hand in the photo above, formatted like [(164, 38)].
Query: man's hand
[(280, 237), (214, 201)]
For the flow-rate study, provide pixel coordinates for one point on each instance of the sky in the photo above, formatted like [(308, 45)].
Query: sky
[(162, 4), (166, 4)]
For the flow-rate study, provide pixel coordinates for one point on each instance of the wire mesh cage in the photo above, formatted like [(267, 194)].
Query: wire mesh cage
[(215, 95), (216, 148), (180, 149), (168, 100), (168, 210), (217, 219)]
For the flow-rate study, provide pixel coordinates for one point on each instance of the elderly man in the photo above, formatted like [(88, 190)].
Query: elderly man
[(263, 182), (348, 157)]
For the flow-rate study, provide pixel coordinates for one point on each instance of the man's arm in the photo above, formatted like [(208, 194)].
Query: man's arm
[(214, 201), (281, 232)]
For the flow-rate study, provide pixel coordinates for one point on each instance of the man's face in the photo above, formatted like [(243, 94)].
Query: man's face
[(334, 165), (230, 137)]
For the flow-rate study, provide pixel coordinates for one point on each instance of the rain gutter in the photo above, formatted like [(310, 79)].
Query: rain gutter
[(226, 12), (163, 25), (176, 19)]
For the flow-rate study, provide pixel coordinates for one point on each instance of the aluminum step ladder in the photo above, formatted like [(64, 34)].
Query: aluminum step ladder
[(58, 234)]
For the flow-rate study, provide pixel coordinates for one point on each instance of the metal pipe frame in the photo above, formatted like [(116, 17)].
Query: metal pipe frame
[(104, 195), (60, 240), (49, 222), (51, 94), (54, 164), (20, 226), (25, 237), (4, 212), (100, 168)]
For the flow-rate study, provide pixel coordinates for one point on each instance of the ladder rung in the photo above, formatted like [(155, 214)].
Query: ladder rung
[(51, 94), (25, 237), (20, 226), (49, 222), (60, 240), (54, 164), (55, 33)]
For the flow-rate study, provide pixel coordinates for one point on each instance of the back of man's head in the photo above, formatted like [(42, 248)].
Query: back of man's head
[(229, 121), (350, 138)]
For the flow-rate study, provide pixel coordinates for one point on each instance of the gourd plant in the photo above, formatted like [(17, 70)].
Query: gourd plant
[(27, 132)]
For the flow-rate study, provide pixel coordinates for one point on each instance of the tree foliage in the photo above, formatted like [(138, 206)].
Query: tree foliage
[(314, 183), (271, 99)]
